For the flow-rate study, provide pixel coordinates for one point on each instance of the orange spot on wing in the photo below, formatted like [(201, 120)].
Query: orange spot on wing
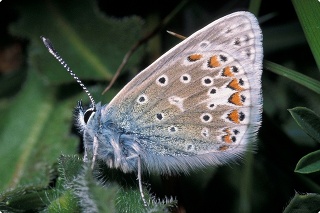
[(227, 72), (214, 62), (234, 84), (194, 57), (223, 148), (234, 116), (226, 138), (227, 130), (235, 99)]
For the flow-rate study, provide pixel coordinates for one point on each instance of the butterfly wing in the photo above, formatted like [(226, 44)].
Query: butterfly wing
[(201, 98)]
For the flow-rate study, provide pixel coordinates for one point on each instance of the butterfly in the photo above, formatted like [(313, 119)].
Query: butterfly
[(198, 105)]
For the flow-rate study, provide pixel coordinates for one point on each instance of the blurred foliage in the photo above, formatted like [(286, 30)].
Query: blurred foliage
[(41, 167)]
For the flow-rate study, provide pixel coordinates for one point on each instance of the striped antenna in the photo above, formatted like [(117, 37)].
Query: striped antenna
[(51, 49)]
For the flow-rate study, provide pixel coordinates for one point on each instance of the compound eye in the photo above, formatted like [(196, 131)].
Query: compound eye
[(88, 113)]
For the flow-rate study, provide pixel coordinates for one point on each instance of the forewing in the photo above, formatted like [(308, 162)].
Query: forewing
[(202, 96)]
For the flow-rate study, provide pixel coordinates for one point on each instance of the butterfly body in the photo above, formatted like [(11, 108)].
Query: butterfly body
[(197, 105)]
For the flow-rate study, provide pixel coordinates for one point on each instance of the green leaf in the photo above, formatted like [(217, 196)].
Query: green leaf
[(90, 42), (299, 78), (66, 202), (129, 200), (23, 199), (93, 196), (70, 167), (308, 121), (308, 12), (76, 176), (34, 134), (309, 163), (304, 203)]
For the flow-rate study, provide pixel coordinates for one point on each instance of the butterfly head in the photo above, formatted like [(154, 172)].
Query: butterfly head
[(83, 116)]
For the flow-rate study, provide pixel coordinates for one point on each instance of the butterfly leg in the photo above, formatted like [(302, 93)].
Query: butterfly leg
[(95, 151), (85, 157), (139, 178), (140, 182)]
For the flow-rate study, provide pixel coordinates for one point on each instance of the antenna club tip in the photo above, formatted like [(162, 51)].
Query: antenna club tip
[(44, 39), (49, 45)]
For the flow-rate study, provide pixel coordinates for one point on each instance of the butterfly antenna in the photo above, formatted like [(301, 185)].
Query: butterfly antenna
[(51, 49)]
